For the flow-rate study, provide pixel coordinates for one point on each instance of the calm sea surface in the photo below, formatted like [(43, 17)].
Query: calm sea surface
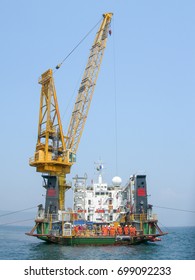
[(179, 244)]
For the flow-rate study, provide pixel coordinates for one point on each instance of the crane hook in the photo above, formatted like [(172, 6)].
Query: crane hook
[(58, 66)]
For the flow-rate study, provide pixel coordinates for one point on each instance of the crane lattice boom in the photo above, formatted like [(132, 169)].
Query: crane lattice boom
[(86, 90)]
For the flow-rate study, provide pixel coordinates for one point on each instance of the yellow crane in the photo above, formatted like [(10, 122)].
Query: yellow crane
[(55, 153)]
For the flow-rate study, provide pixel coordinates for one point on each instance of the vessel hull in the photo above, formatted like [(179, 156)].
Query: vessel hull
[(98, 240)]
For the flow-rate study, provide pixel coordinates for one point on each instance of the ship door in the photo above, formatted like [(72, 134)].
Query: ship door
[(67, 229)]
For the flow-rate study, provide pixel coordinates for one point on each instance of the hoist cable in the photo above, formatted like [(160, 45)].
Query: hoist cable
[(60, 64), (115, 103)]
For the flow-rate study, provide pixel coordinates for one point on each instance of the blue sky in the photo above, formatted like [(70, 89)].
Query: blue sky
[(149, 66)]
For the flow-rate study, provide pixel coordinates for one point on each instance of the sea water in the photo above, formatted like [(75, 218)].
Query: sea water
[(179, 244)]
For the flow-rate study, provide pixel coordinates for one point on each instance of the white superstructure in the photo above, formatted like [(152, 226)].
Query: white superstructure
[(98, 202)]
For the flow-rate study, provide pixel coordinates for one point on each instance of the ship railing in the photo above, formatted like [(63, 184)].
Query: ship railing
[(62, 216), (143, 217), (47, 217), (138, 217)]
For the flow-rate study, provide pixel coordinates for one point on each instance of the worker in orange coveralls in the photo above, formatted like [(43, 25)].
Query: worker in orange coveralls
[(112, 230), (105, 230), (126, 230), (119, 230), (76, 230)]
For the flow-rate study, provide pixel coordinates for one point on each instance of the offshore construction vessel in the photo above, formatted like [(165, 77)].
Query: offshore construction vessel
[(102, 214)]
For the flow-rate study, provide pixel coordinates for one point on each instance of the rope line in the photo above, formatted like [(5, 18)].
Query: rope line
[(176, 209), (10, 213), (21, 221)]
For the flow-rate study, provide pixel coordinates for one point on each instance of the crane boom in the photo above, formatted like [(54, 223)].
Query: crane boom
[(56, 153), (87, 86)]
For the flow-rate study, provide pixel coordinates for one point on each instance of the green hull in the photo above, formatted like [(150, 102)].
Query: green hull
[(99, 241), (79, 241)]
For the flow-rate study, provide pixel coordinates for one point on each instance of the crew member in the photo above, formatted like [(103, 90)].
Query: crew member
[(119, 230), (112, 230), (126, 230)]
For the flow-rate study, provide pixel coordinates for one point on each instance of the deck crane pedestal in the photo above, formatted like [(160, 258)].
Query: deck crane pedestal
[(55, 153)]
